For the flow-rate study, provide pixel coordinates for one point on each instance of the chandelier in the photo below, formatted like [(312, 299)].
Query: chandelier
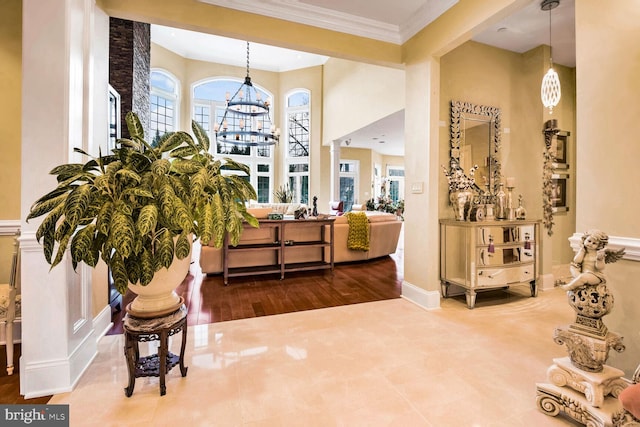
[(246, 119), (550, 90)]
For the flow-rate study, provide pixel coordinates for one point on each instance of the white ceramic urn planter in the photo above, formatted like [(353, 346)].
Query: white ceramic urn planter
[(159, 297)]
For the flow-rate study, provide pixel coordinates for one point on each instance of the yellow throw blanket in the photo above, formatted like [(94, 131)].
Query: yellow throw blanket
[(358, 237)]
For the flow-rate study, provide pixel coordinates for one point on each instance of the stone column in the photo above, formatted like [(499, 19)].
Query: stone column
[(129, 68)]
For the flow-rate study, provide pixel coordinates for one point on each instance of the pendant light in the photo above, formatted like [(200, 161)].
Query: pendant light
[(550, 90), (246, 120)]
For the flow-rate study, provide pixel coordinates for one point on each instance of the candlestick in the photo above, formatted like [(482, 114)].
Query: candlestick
[(511, 214)]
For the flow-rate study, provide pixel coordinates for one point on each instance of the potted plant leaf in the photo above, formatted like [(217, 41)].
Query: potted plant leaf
[(140, 208)]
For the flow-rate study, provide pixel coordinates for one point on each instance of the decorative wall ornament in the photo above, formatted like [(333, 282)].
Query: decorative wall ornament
[(550, 129)]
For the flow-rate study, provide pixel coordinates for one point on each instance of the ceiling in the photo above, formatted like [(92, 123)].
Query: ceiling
[(384, 20)]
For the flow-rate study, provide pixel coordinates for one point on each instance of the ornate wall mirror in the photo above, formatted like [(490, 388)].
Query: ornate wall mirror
[(475, 140)]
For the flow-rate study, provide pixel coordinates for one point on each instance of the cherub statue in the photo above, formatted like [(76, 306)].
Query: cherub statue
[(588, 264)]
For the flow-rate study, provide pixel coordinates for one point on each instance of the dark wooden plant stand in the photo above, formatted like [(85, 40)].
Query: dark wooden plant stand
[(137, 330)]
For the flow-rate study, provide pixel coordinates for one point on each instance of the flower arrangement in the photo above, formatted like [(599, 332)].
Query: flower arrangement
[(458, 180), (385, 204)]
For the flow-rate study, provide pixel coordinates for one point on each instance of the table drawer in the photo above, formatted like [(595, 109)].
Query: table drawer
[(504, 255), (496, 277)]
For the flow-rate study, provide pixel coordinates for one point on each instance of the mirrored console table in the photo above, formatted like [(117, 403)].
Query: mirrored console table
[(486, 255)]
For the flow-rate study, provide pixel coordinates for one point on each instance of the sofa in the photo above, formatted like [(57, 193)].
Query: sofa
[(384, 232)]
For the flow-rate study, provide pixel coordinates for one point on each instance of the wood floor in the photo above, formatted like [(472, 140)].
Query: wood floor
[(209, 301)]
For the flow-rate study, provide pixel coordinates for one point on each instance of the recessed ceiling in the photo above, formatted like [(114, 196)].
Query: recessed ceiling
[(386, 136), (222, 50), (529, 28)]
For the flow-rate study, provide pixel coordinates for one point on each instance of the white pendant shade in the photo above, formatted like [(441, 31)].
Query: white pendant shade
[(550, 90)]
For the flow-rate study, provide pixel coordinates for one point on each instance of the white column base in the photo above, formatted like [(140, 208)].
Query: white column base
[(546, 282), (47, 377), (426, 299), (102, 322)]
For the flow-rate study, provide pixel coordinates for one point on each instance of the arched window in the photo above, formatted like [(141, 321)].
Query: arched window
[(298, 138), (164, 91), (209, 103)]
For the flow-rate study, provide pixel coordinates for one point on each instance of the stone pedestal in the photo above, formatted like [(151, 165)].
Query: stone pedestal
[(553, 400), (594, 386), (587, 351)]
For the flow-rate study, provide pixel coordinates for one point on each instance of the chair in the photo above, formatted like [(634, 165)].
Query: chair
[(336, 208), (10, 304)]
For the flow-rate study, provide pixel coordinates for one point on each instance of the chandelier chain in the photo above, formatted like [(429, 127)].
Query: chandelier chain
[(248, 56), (550, 48)]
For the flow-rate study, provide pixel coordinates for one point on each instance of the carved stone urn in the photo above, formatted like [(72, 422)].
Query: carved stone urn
[(588, 340)]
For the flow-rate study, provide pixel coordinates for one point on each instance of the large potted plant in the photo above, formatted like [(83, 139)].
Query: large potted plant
[(139, 209)]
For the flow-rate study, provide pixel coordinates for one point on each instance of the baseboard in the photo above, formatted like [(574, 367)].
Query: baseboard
[(102, 322), (428, 300), (547, 282), (57, 376)]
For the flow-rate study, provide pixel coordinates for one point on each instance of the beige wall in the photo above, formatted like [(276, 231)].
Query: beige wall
[(373, 92), (421, 55), (608, 149), (485, 75), (357, 94), (10, 123)]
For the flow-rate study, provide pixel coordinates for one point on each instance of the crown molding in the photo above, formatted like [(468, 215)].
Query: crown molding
[(295, 11), (429, 12)]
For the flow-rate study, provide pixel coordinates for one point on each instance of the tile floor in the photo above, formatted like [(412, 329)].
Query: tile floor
[(387, 363)]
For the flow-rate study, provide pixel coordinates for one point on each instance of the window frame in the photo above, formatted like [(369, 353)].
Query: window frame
[(163, 94), (355, 174), (295, 160), (253, 159)]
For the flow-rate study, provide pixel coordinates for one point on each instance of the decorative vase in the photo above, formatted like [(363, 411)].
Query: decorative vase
[(461, 201), (521, 212), (159, 297)]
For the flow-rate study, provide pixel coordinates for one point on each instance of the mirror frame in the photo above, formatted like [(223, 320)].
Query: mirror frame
[(458, 109)]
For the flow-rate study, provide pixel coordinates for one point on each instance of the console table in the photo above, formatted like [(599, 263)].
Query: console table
[(280, 264), (487, 255), (137, 330)]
